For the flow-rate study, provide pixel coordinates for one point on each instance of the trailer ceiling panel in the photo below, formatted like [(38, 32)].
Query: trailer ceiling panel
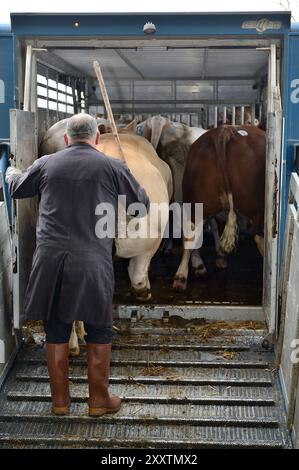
[(112, 64), (239, 62), (164, 62)]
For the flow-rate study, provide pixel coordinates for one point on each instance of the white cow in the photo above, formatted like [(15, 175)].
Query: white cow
[(154, 176), (172, 141), (53, 138)]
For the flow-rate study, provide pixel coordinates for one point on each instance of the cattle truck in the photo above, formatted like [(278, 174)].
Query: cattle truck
[(216, 366)]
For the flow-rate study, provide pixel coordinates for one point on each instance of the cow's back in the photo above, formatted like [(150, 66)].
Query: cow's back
[(149, 170)]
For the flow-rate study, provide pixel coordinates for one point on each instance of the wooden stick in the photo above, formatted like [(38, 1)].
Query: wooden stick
[(103, 89)]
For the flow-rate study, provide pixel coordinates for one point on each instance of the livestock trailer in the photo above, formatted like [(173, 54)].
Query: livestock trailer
[(216, 366)]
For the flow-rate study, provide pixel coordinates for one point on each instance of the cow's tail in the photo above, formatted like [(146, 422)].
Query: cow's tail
[(229, 237)]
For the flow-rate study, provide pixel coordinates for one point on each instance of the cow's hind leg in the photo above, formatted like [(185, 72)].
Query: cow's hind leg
[(138, 273), (181, 276), (198, 266), (221, 257), (74, 349)]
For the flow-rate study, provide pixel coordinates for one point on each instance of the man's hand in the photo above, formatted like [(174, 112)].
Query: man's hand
[(11, 170)]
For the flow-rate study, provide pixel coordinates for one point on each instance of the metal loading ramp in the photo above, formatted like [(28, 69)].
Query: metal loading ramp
[(188, 385)]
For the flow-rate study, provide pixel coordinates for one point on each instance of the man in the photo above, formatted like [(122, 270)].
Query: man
[(72, 272)]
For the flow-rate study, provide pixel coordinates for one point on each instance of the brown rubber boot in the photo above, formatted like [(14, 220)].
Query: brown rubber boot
[(98, 359), (58, 367)]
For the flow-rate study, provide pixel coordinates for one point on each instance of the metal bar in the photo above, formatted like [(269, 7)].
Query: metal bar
[(100, 78), (272, 192), (234, 116), (47, 114), (242, 115), (27, 87), (33, 94), (155, 110), (75, 102), (271, 77), (101, 42), (269, 93), (216, 90), (224, 115), (187, 102), (133, 96), (189, 78), (273, 65), (220, 45), (294, 384), (252, 114), (260, 112), (216, 116), (56, 79), (204, 65)]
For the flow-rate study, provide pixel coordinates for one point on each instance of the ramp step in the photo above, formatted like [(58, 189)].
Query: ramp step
[(166, 362), (147, 393), (155, 380), (179, 347), (192, 392), (158, 412), (101, 435), (139, 373)]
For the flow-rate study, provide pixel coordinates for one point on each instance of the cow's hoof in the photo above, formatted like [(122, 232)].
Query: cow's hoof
[(143, 295), (179, 284), (221, 262), (200, 271), (74, 352)]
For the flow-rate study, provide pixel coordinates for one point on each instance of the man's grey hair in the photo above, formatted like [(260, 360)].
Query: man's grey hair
[(81, 127)]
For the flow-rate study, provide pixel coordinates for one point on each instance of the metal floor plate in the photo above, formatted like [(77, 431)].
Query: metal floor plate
[(180, 390)]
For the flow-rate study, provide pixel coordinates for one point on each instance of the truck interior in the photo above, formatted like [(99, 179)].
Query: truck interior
[(199, 82)]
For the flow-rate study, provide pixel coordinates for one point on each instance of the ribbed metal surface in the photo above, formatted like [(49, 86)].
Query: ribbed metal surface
[(162, 62), (162, 412), (103, 434), (191, 375), (205, 394)]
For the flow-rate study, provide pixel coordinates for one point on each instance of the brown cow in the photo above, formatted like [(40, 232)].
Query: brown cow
[(225, 170)]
